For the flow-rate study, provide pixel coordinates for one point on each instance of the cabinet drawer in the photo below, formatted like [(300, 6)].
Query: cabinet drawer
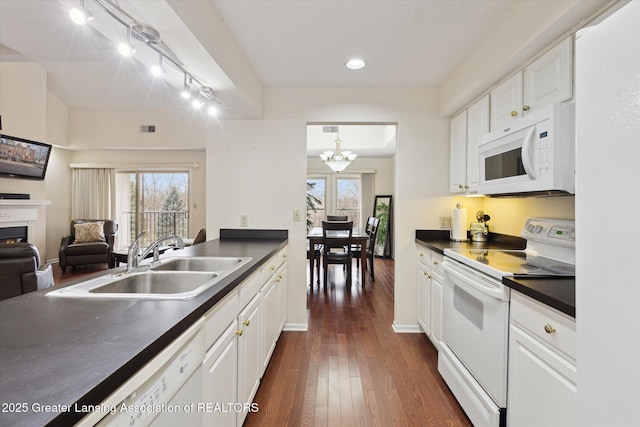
[(268, 268), (249, 288), (545, 323), (436, 263), (219, 317), (281, 257), (424, 256)]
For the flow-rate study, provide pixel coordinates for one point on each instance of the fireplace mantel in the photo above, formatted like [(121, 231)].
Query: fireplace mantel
[(17, 213), (23, 203)]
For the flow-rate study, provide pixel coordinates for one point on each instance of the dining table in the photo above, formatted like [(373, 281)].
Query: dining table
[(358, 237)]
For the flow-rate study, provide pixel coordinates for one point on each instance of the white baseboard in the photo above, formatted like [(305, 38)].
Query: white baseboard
[(53, 261), (296, 327), (406, 329)]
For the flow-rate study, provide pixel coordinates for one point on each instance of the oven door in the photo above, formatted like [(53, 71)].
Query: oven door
[(475, 326)]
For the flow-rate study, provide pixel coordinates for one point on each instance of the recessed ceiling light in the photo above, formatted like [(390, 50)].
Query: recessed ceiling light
[(356, 64)]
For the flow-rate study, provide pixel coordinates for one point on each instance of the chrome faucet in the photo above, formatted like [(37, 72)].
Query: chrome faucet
[(133, 259)]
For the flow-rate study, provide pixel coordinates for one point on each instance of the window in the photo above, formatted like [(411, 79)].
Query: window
[(334, 196), (348, 199), (153, 202)]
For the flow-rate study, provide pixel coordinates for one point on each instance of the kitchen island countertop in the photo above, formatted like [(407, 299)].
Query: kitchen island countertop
[(559, 293), (56, 353)]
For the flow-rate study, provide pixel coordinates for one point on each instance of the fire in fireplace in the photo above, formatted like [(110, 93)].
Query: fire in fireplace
[(13, 234)]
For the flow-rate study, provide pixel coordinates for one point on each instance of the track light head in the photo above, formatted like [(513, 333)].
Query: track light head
[(80, 15)]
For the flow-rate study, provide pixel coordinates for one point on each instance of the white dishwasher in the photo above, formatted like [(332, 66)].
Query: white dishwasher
[(165, 392)]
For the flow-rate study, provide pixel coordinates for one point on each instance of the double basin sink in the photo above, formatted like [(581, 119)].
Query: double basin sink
[(171, 278)]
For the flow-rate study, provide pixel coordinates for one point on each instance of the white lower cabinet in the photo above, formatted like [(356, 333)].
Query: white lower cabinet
[(241, 334), (221, 379), (249, 363), (542, 366), (269, 295), (429, 293)]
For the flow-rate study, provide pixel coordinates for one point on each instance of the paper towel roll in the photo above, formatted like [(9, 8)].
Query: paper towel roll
[(459, 224)]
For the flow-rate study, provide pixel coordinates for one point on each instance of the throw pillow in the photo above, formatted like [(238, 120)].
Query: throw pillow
[(89, 232)]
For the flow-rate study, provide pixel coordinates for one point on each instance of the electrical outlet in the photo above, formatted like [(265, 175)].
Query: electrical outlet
[(445, 222), (297, 215), (244, 220)]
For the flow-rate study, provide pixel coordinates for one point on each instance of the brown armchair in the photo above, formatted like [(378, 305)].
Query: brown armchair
[(20, 270), (83, 250)]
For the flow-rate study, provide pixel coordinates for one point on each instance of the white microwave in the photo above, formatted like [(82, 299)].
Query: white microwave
[(534, 155)]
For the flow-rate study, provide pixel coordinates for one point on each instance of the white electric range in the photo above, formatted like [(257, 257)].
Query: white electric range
[(473, 357)]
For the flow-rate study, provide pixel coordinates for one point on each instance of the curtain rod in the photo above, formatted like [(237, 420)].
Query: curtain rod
[(134, 165)]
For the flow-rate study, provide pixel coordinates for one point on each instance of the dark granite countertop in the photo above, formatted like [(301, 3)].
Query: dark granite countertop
[(438, 240), (63, 351), (559, 293)]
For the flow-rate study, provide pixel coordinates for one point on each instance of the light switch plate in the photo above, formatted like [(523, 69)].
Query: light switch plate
[(297, 215), (445, 222), (244, 220)]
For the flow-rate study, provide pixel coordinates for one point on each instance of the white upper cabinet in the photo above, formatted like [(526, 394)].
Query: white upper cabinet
[(506, 102), (477, 127), (467, 130), (547, 80), (458, 154)]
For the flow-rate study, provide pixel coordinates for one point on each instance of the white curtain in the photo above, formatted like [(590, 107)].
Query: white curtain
[(368, 195), (93, 193)]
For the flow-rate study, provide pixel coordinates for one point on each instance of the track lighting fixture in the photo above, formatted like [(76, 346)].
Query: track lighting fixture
[(126, 48), (158, 70), (193, 88), (80, 15), (186, 90)]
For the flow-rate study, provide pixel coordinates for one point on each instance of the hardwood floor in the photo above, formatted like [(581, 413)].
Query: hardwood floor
[(351, 369)]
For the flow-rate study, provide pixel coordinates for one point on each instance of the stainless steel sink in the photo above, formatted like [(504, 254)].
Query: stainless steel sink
[(162, 282), (200, 264), (172, 278)]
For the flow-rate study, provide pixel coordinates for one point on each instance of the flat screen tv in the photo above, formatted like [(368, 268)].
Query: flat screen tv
[(23, 159)]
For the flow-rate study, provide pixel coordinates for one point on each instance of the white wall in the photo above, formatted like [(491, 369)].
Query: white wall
[(258, 168), (29, 111)]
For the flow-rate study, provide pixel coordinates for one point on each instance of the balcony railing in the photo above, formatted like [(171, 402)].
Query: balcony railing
[(156, 224)]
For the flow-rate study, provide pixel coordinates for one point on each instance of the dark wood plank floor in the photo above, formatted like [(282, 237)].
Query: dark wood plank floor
[(351, 369)]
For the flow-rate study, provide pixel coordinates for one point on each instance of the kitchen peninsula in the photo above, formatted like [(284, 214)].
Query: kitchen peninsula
[(58, 354)]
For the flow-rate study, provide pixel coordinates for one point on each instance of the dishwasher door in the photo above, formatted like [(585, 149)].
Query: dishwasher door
[(165, 392)]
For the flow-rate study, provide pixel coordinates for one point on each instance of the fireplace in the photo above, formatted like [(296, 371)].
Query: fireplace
[(13, 234)]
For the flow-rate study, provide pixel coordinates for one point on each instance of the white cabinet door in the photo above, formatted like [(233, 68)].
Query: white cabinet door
[(542, 384), (221, 379), (249, 354), (506, 102), (283, 295), (424, 295), (458, 154), (269, 295), (436, 308), (549, 78), (477, 127)]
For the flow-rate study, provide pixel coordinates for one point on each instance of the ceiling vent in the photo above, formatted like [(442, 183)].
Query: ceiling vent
[(148, 129)]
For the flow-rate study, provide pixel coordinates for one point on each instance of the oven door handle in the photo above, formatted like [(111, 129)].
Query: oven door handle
[(490, 290)]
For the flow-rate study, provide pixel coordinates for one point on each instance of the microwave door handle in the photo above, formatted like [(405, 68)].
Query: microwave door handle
[(527, 162)]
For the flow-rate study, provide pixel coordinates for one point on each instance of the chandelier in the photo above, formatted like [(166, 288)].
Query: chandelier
[(338, 160)]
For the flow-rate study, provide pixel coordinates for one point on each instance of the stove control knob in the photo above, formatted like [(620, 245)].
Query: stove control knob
[(537, 229), (530, 228)]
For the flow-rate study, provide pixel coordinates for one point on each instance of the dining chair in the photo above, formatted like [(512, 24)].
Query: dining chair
[(372, 232), (337, 218), (313, 255), (337, 246)]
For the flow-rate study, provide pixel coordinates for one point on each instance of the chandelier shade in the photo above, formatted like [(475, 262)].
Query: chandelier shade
[(338, 160)]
